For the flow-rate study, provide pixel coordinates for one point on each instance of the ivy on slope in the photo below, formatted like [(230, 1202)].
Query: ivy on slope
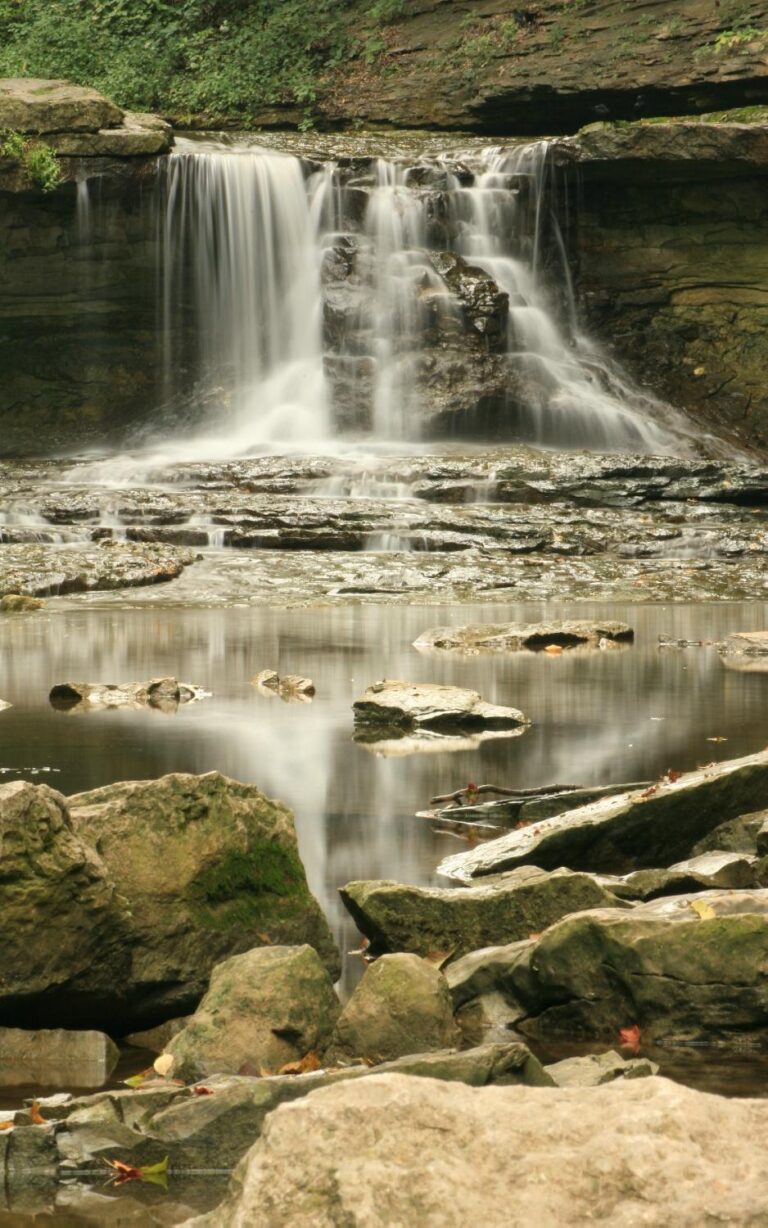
[(217, 58)]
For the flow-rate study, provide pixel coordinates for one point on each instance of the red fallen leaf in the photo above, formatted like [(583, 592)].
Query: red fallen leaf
[(123, 1172), (202, 1091), (309, 1062), (35, 1115), (629, 1038), (670, 776), (650, 791)]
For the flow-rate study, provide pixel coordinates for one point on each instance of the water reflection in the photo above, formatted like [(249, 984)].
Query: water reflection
[(598, 718)]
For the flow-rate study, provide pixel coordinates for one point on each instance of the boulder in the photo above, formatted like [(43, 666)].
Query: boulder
[(410, 706), (157, 1038), (617, 835), (290, 688), (67, 932), (55, 1058), (390, 1150), (401, 1006), (514, 637), (210, 868), (684, 967), (263, 1010), (702, 873), (139, 136), (28, 104), (397, 917), (594, 1069), (157, 693), (737, 835), (746, 652)]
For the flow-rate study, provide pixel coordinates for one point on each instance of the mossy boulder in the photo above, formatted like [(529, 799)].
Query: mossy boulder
[(67, 931), (263, 1009), (402, 1006), (211, 868), (690, 967), (397, 917)]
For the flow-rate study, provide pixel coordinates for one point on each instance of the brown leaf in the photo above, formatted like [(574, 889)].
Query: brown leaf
[(202, 1091), (629, 1038), (309, 1062), (650, 791), (35, 1115), (670, 776), (7, 1125)]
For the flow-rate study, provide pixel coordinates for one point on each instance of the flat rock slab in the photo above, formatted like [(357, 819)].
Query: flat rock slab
[(690, 967), (389, 1150), (29, 104), (746, 652), (412, 705), (46, 570), (535, 637), (617, 835), (426, 920), (56, 1058), (595, 1069)]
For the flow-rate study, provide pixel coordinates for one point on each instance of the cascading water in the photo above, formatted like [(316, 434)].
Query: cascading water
[(305, 302)]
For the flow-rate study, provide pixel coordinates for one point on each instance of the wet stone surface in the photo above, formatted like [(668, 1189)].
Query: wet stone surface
[(296, 530)]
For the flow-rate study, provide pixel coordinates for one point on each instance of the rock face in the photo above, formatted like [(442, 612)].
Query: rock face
[(422, 1145), (67, 932), (409, 706), (41, 570), (210, 868), (263, 1009), (513, 637), (628, 832), (686, 967), (396, 917), (402, 1006)]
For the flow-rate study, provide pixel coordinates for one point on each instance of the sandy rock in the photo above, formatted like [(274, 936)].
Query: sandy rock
[(38, 106), (397, 917), (651, 828), (390, 1150), (263, 1009), (401, 1006), (211, 868), (597, 1068), (410, 706), (516, 637)]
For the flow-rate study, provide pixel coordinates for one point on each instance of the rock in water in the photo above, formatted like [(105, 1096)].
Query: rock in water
[(402, 1006), (67, 932), (411, 705), (390, 1150), (516, 637), (597, 1068), (263, 1009), (210, 868), (397, 917), (685, 967), (655, 827), (56, 1058), (19, 603)]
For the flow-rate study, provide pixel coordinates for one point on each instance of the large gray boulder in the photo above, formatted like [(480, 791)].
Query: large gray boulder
[(28, 104), (401, 1006), (653, 827), (210, 868), (427, 705), (424, 920), (67, 931), (686, 968), (516, 637), (392, 1150), (263, 1010)]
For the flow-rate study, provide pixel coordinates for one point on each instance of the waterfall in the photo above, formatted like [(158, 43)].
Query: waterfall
[(308, 301)]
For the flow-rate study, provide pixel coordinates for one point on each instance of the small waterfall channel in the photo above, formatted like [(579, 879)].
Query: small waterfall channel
[(309, 302)]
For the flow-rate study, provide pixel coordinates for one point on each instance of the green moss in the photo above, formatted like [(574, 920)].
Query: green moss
[(264, 884)]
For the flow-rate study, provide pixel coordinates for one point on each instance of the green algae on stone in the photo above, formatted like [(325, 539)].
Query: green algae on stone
[(247, 888)]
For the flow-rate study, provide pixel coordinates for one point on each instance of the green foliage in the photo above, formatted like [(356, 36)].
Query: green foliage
[(37, 159), (737, 38), (223, 58)]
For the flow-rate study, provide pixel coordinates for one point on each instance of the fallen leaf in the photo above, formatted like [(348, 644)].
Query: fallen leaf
[(137, 1079), (554, 650), (163, 1065), (202, 1091), (717, 739), (704, 910), (670, 777), (650, 791), (538, 935), (7, 1125), (309, 1062), (35, 1115), (629, 1038), (155, 1174)]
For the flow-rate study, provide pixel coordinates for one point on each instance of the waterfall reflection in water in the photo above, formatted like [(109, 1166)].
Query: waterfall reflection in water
[(599, 717)]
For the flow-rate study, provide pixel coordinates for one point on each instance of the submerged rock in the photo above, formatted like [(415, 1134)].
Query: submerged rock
[(290, 687), (619, 834), (425, 920), (410, 705), (263, 1009), (55, 1058), (210, 868), (684, 967), (419, 1145), (514, 637), (157, 693), (402, 1006)]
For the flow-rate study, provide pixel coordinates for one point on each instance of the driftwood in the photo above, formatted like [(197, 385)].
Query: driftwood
[(467, 795)]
